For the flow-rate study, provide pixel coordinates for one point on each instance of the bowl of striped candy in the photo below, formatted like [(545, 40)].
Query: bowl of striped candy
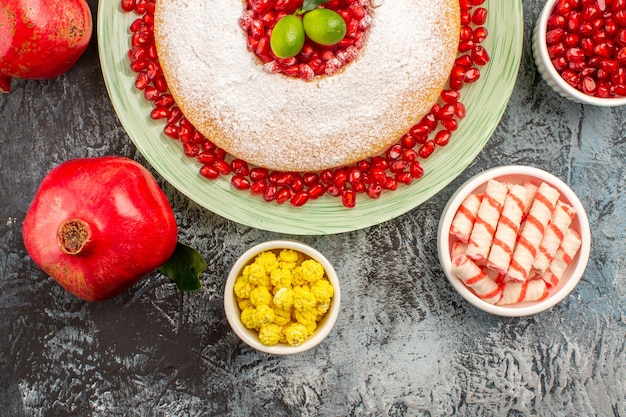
[(514, 240)]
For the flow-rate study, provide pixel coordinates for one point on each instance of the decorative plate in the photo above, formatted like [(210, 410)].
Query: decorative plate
[(485, 100)]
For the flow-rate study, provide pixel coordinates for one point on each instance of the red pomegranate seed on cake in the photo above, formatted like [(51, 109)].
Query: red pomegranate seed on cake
[(442, 138), (171, 131), (416, 170), (426, 149), (240, 182), (316, 191), (128, 5), (210, 172), (159, 113), (258, 187), (270, 193), (404, 178), (299, 198), (258, 174), (240, 166), (374, 190), (348, 198)]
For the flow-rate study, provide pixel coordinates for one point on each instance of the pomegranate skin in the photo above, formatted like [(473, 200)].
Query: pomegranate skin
[(41, 39), (126, 226)]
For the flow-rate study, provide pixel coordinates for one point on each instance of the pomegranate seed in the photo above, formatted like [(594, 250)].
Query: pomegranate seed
[(426, 149), (142, 81), (191, 150), (210, 172), (128, 5), (299, 198), (310, 178), (239, 166), (416, 169), (480, 34), (378, 175), (334, 191), (570, 77), (480, 55), (316, 191), (326, 176), (283, 195), (270, 193), (258, 187), (374, 190), (150, 93), (466, 34), (442, 137), (379, 162), (588, 86), (240, 182), (390, 184), (409, 155), (394, 151), (258, 174), (171, 131), (348, 198), (403, 178), (554, 36), (363, 166), (398, 166), (222, 166), (164, 100), (358, 186), (408, 141), (472, 75), (159, 113), (460, 110), (450, 96)]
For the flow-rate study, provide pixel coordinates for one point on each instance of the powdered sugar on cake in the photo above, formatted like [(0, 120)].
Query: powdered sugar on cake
[(289, 124)]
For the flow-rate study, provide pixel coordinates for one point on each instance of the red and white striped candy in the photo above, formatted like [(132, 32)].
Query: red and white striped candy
[(465, 217), (507, 230), (486, 220), (531, 193), (567, 250), (476, 279), (555, 231), (532, 231), (517, 292)]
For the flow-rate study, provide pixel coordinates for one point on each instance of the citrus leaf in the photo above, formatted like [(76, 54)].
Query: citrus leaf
[(184, 267), (309, 5)]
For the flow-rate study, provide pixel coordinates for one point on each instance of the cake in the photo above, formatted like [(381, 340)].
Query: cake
[(290, 124)]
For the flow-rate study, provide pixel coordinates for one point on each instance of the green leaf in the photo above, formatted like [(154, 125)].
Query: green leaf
[(309, 5), (184, 267)]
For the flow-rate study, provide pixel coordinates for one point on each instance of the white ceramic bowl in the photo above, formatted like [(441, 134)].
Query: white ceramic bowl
[(515, 174), (550, 74), (250, 337)]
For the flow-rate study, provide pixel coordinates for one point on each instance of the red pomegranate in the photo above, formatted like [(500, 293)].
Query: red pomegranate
[(41, 39), (99, 225)]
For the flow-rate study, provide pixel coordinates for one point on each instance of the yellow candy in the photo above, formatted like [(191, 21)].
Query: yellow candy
[(283, 297)]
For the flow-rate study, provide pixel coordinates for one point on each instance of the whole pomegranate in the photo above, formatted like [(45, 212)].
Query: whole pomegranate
[(41, 39), (99, 225)]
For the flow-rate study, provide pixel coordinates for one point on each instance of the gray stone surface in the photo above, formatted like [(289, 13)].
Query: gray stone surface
[(405, 343)]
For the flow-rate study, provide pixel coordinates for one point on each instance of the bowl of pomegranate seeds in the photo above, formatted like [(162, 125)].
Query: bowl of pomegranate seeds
[(514, 240), (580, 50), (282, 297)]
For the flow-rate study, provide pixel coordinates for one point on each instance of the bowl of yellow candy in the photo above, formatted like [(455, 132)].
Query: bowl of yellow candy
[(282, 297)]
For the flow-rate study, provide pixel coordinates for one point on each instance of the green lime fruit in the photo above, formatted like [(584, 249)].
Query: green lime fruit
[(324, 26), (287, 37)]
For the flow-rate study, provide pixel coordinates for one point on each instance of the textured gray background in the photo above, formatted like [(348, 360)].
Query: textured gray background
[(405, 344)]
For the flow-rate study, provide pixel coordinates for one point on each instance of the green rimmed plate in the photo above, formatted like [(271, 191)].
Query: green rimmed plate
[(485, 101)]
